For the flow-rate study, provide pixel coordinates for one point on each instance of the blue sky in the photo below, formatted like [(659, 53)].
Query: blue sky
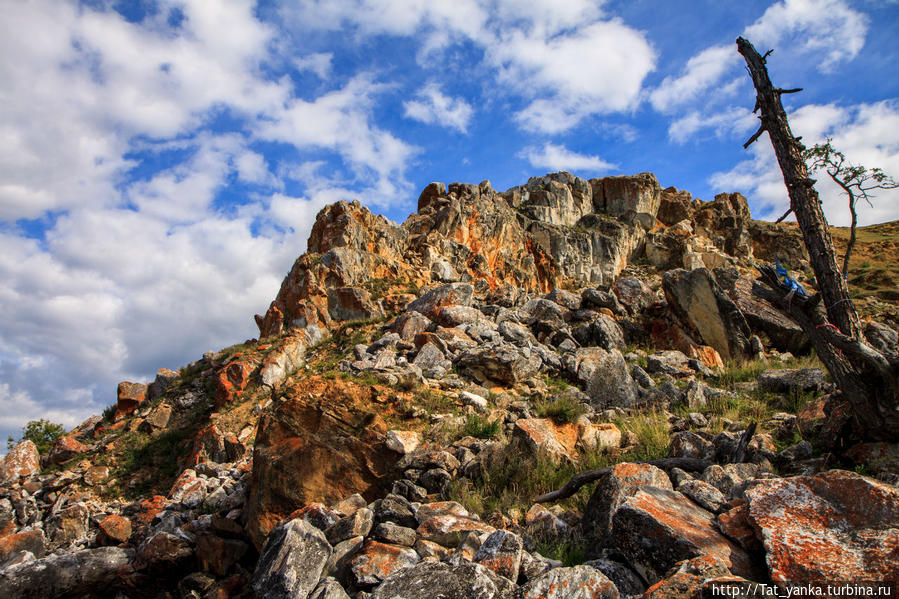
[(162, 162)]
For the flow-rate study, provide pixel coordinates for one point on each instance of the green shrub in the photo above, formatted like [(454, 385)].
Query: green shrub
[(562, 409), (42, 433), (651, 431), (481, 428)]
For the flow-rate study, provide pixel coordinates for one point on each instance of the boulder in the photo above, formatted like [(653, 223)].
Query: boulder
[(501, 553), (309, 449), (679, 530), (535, 435), (836, 525), (499, 362), (701, 305), (633, 294), (783, 334), (451, 294), (130, 396), (32, 541), (329, 588), (291, 562), (65, 448), (375, 561), (462, 581), (725, 221), (114, 529), (579, 582), (611, 490), (448, 530), (218, 554), (67, 575), (607, 378), (352, 303), (792, 380), (674, 206), (403, 442), (24, 460)]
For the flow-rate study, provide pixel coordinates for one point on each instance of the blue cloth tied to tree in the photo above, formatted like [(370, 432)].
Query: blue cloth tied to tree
[(794, 285)]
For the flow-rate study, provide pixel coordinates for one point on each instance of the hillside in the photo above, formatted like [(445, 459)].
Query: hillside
[(416, 386)]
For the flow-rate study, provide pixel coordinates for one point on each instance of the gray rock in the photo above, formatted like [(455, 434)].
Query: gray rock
[(464, 581), (389, 532), (329, 589), (642, 378), (499, 362), (501, 553), (700, 303), (71, 574), (596, 298), (579, 582), (703, 494), (516, 333), (669, 361), (359, 524), (633, 294), (625, 580), (608, 382), (430, 303), (611, 490), (292, 561), (685, 444), (800, 380), (602, 332)]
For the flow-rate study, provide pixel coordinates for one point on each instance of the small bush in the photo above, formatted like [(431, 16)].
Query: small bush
[(109, 413), (481, 428), (651, 430), (42, 433), (562, 409)]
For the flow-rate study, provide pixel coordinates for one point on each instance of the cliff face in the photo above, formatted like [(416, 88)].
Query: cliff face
[(555, 231)]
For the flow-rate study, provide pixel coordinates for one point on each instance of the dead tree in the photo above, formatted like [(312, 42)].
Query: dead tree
[(867, 377)]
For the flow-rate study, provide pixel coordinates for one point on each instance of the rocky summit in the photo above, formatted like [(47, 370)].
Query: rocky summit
[(416, 387)]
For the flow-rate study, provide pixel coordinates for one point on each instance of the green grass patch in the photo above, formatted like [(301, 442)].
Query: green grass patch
[(562, 409), (570, 552), (480, 427), (650, 428)]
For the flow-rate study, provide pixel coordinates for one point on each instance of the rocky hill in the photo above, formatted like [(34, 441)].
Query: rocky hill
[(416, 387)]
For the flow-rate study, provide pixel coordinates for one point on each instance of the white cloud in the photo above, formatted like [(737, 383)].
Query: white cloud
[(731, 121), (598, 68), (702, 70), (559, 158), (317, 62), (868, 134), (559, 55), (433, 107), (828, 29)]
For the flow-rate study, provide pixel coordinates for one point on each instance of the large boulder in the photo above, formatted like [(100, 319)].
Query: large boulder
[(23, 460), (679, 530), (699, 303), (129, 397), (622, 481), (836, 525), (499, 362), (78, 574), (292, 561), (309, 449), (606, 376), (579, 582), (783, 333), (726, 222), (451, 294), (462, 581)]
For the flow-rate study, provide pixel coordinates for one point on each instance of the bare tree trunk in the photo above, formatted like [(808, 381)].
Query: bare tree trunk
[(804, 199), (867, 378), (851, 243)]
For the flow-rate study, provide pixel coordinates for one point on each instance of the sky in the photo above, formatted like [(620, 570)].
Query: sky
[(162, 162)]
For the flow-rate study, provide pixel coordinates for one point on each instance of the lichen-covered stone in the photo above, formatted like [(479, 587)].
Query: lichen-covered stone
[(579, 582), (462, 581), (292, 561), (836, 525)]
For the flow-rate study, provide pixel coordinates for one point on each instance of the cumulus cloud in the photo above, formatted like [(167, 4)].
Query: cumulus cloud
[(701, 71), (730, 121), (559, 158), (827, 32), (431, 106), (829, 29), (867, 134)]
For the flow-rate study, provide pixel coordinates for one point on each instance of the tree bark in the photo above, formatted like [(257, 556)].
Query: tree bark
[(804, 200), (868, 379)]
